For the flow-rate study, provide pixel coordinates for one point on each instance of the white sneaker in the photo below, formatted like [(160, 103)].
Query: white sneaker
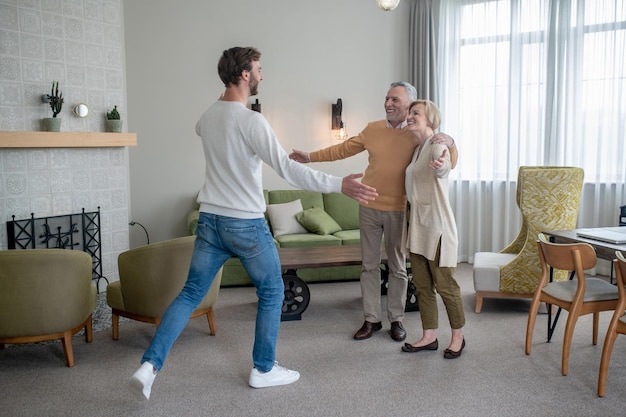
[(141, 381), (279, 375)]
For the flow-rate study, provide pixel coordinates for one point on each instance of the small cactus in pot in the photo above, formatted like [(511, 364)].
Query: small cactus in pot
[(56, 99), (113, 114), (114, 124)]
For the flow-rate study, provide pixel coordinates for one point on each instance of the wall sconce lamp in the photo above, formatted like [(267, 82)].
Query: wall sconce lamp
[(387, 5), (256, 106), (336, 124)]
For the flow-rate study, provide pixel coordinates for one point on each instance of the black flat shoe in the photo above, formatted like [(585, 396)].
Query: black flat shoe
[(410, 348), (450, 354)]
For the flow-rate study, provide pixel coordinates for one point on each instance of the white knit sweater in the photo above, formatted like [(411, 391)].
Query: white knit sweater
[(236, 141)]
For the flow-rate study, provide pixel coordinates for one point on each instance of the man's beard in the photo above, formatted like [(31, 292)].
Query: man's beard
[(254, 87)]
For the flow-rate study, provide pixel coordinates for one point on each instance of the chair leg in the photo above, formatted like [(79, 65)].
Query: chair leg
[(89, 329), (68, 349), (209, 316), (479, 303), (530, 326), (572, 318), (596, 324), (115, 325), (607, 349)]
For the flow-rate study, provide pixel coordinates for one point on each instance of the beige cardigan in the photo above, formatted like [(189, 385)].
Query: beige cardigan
[(429, 215)]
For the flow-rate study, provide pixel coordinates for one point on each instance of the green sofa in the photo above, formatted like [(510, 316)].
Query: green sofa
[(316, 210)]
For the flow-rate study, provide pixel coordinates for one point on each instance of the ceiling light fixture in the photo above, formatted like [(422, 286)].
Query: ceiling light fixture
[(387, 5)]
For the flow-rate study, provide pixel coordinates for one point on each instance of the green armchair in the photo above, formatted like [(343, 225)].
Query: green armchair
[(46, 294), (151, 276)]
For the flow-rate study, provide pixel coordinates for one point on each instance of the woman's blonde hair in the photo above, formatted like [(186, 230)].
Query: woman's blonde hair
[(431, 111)]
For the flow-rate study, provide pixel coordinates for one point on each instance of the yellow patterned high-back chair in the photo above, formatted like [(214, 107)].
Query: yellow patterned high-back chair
[(549, 199)]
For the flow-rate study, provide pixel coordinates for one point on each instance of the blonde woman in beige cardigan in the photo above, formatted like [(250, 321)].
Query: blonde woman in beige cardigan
[(431, 236)]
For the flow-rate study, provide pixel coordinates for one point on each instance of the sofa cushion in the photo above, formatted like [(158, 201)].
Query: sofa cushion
[(486, 270), (316, 220), (307, 240), (308, 198), (343, 209), (283, 218), (349, 237)]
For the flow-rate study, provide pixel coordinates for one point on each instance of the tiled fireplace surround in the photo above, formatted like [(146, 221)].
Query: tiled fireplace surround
[(80, 44), (58, 181)]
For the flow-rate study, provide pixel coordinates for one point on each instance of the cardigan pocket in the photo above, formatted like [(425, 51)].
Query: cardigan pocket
[(427, 216)]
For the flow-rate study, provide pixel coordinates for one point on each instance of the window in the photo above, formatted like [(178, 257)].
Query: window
[(535, 82)]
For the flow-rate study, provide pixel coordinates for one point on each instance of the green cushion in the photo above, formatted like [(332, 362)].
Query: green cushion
[(316, 220), (307, 240), (343, 209), (349, 237), (308, 198)]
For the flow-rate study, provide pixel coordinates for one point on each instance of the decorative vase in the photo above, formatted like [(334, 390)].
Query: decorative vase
[(51, 124), (114, 126)]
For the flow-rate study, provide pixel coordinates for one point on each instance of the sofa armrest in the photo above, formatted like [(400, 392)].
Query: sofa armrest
[(192, 221)]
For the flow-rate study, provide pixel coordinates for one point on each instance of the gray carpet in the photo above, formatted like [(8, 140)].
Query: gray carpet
[(207, 376)]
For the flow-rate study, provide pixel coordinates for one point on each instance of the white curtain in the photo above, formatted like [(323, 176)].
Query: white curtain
[(531, 82), (423, 33)]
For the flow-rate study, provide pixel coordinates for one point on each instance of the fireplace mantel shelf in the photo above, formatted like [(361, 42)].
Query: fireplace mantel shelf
[(14, 139)]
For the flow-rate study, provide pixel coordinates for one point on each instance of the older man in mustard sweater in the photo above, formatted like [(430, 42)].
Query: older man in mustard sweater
[(390, 147)]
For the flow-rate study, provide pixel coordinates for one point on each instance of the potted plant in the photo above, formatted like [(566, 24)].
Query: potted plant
[(114, 124), (55, 98)]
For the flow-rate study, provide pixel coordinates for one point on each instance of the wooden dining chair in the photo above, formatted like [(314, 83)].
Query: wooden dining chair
[(579, 296), (618, 322)]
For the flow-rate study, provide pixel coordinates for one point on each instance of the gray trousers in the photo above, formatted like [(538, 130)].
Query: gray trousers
[(375, 224)]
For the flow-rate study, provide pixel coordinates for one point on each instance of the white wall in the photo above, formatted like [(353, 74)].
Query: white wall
[(313, 52)]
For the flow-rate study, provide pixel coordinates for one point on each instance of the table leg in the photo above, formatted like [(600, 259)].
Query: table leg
[(411, 294), (384, 279)]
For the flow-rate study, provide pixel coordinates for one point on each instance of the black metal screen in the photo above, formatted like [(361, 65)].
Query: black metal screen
[(80, 231)]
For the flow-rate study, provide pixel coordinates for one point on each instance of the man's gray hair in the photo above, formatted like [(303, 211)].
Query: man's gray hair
[(410, 90)]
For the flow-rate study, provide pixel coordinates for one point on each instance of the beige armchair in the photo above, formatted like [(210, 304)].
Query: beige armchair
[(46, 294), (151, 277), (548, 199)]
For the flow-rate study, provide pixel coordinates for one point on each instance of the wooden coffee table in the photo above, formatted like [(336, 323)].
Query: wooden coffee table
[(297, 295)]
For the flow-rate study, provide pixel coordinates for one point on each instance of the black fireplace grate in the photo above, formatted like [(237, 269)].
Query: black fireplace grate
[(78, 231)]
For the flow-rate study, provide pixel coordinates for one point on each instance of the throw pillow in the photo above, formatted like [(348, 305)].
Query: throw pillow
[(283, 218), (316, 220)]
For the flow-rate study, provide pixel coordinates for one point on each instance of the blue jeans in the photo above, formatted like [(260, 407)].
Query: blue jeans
[(219, 238)]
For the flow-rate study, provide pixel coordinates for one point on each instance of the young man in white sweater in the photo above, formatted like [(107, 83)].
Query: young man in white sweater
[(237, 141)]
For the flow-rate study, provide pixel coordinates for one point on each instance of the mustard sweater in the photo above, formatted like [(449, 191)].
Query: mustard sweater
[(390, 151)]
